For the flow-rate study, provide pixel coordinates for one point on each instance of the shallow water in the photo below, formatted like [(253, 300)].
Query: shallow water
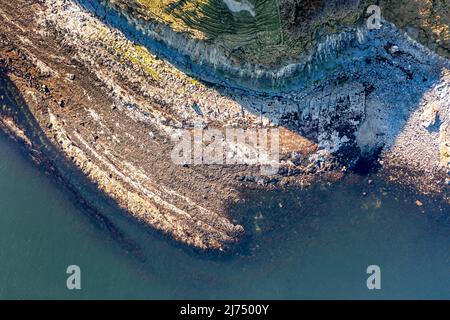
[(304, 244)]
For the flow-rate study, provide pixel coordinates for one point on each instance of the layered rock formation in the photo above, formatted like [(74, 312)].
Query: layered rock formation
[(275, 40), (106, 83)]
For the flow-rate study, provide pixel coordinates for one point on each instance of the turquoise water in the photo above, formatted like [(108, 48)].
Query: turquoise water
[(304, 244)]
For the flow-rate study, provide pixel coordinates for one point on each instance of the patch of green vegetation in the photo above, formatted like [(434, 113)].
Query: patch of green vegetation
[(131, 52), (213, 19), (217, 22), (195, 82), (140, 56)]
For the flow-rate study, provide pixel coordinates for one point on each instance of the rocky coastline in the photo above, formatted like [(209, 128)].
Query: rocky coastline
[(109, 106)]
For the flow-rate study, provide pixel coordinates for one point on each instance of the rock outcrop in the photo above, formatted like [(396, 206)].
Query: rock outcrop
[(108, 82)]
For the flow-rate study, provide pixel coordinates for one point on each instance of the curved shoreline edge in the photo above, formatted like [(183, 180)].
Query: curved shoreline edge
[(102, 118), (18, 125)]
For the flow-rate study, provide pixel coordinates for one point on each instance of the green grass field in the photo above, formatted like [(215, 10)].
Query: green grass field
[(273, 32)]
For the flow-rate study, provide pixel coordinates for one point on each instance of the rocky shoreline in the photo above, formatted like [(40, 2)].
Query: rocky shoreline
[(110, 107)]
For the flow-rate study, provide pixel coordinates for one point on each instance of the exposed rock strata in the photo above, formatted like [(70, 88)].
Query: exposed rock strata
[(111, 106), (284, 40)]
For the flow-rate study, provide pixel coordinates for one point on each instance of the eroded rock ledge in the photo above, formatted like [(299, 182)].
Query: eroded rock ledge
[(272, 45), (110, 105)]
